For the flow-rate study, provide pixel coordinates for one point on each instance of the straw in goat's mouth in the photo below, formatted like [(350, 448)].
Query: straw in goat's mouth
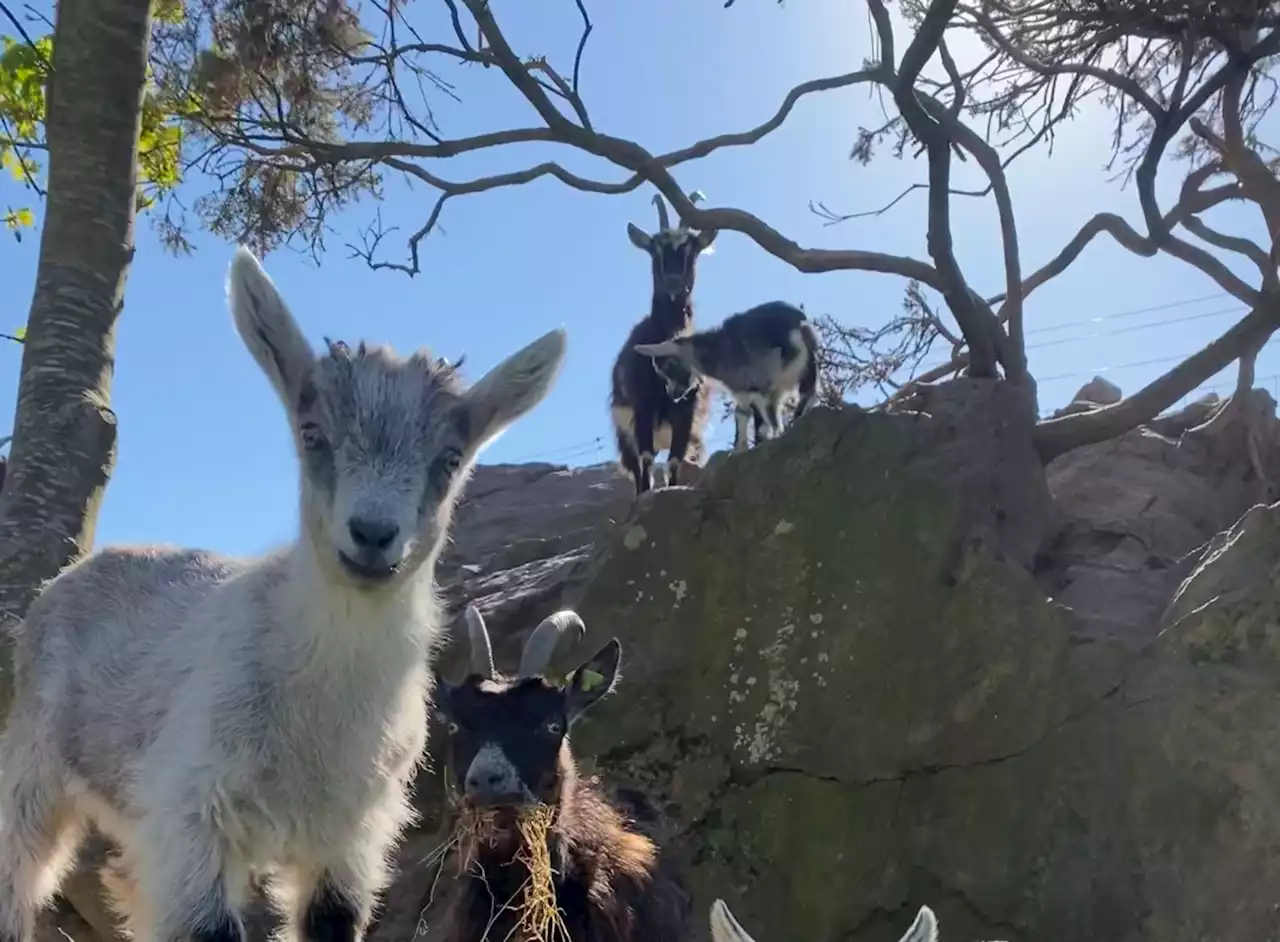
[(540, 919)]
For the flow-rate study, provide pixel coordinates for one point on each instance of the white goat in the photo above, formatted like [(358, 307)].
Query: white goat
[(724, 928), (223, 718)]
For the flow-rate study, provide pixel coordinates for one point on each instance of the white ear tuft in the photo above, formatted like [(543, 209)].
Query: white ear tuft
[(512, 388), (266, 326)]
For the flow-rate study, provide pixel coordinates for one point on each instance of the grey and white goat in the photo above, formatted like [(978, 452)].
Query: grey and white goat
[(765, 357), (223, 718), (724, 928)]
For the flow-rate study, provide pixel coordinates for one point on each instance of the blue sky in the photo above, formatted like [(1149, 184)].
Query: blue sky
[(204, 457)]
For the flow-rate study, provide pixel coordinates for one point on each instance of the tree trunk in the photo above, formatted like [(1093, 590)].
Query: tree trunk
[(64, 437), (1053, 437), (65, 432)]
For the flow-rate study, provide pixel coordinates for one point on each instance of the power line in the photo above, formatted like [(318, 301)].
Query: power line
[(1151, 325), (1155, 361), (1235, 309), (1134, 312)]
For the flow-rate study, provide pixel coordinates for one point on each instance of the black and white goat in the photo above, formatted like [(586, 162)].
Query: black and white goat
[(507, 751), (724, 928), (765, 357), (659, 405)]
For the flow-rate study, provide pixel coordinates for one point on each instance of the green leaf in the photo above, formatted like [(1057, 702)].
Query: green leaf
[(21, 334), (24, 68), (171, 12), (19, 219)]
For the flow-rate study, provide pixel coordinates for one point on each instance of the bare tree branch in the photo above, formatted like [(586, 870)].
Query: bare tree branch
[(1056, 436), (977, 322)]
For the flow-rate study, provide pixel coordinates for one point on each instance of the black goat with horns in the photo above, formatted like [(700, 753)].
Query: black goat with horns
[(659, 403), (508, 753)]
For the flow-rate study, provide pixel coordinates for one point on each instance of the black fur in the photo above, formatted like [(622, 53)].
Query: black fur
[(674, 398), (330, 915)]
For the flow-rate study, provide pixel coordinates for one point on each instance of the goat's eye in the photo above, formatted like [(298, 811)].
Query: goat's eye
[(449, 725), (555, 727), (447, 465), (312, 437)]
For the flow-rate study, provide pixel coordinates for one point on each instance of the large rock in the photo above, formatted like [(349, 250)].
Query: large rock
[(1137, 510), (852, 696), (887, 660)]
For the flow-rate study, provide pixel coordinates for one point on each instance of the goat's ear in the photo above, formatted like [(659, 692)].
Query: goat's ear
[(668, 348), (511, 389), (705, 238), (267, 328), (639, 238), (594, 679), (724, 928)]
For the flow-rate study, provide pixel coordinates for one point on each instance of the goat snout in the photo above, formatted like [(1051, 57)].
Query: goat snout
[(676, 286), (492, 780), (374, 548), (370, 533)]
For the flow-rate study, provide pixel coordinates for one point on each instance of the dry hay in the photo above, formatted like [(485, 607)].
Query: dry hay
[(539, 917)]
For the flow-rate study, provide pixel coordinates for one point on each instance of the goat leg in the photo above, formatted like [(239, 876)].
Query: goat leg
[(629, 457), (742, 413), (773, 418), (183, 878), (644, 421), (681, 431), (760, 427), (335, 911)]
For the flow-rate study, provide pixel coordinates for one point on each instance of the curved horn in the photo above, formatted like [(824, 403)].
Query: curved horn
[(663, 224), (542, 642), (481, 650)]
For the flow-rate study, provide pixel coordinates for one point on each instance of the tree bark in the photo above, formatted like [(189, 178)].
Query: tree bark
[(64, 438), (1053, 437), (65, 432)]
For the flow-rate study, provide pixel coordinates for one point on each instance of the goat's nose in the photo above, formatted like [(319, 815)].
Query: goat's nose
[(485, 781), (372, 534)]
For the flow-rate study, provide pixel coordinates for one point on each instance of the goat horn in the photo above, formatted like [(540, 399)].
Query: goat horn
[(663, 224), (724, 927), (542, 642), (481, 651)]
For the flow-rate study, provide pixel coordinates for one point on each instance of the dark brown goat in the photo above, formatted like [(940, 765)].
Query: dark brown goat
[(507, 751), (660, 404)]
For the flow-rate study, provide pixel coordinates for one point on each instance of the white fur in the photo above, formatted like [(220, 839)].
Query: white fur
[(223, 718)]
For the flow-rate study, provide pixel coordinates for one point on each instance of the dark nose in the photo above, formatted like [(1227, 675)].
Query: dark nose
[(485, 781), (372, 534)]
